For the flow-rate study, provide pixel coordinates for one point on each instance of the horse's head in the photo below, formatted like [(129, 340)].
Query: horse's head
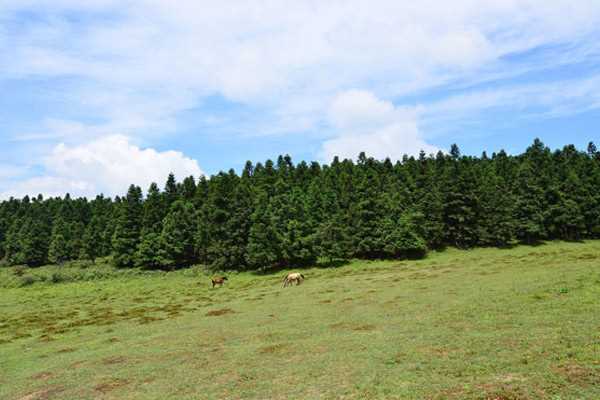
[(225, 278)]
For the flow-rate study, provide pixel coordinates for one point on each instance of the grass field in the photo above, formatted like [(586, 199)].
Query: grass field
[(522, 323)]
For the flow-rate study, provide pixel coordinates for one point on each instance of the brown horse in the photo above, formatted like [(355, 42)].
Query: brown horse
[(293, 277), (218, 281)]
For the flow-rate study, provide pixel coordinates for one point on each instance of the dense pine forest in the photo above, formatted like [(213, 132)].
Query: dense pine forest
[(278, 214)]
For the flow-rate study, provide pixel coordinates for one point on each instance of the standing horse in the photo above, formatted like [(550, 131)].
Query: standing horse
[(218, 281), (293, 277)]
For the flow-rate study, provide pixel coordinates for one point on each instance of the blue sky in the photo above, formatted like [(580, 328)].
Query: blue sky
[(96, 95)]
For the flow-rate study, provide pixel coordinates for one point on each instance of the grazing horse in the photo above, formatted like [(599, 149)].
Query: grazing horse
[(218, 281), (293, 277)]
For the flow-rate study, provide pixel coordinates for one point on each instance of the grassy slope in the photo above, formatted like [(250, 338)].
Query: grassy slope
[(483, 324)]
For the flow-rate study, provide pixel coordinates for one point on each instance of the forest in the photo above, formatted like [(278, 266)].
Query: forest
[(278, 214)]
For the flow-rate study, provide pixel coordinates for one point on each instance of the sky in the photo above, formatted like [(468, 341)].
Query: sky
[(98, 94)]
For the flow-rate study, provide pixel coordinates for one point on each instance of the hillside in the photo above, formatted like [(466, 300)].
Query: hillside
[(518, 323)]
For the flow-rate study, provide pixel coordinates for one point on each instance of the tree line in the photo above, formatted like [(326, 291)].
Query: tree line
[(279, 214)]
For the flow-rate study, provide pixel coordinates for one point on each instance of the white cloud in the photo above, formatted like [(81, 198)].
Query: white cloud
[(365, 123), (107, 165), (145, 61)]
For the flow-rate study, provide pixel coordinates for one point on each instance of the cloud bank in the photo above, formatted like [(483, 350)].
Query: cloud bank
[(106, 165), (377, 127)]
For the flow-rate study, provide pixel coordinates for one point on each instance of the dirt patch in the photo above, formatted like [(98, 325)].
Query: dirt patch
[(489, 392), (114, 360), (109, 386), (579, 374), (276, 348), (325, 301), (66, 350), (113, 340), (77, 364), (44, 394), (42, 376), (223, 311), (46, 338), (366, 327), (353, 327)]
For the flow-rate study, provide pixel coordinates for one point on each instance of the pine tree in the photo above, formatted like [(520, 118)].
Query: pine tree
[(58, 253), (171, 193), (154, 210), (128, 227), (298, 239), (149, 250), (460, 203), (177, 236), (92, 240), (496, 224), (365, 211), (332, 238), (188, 188), (263, 249), (34, 235), (529, 215), (401, 238)]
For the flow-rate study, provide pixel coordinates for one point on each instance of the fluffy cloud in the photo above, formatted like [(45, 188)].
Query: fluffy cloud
[(142, 63), (365, 123), (107, 165)]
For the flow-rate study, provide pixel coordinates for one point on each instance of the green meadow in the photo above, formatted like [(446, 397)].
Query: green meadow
[(520, 323)]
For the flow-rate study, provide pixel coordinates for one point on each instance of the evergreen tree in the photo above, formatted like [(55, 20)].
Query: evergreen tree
[(263, 244), (367, 242), (177, 236), (529, 215), (148, 254), (496, 225), (58, 253), (128, 227), (460, 203), (401, 238), (188, 188), (171, 193), (92, 240), (154, 210)]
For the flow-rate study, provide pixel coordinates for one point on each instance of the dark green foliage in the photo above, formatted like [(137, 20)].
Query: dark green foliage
[(128, 228), (263, 249), (529, 206), (147, 255), (91, 247), (400, 237), (279, 214), (58, 252), (154, 210), (176, 242), (495, 221)]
